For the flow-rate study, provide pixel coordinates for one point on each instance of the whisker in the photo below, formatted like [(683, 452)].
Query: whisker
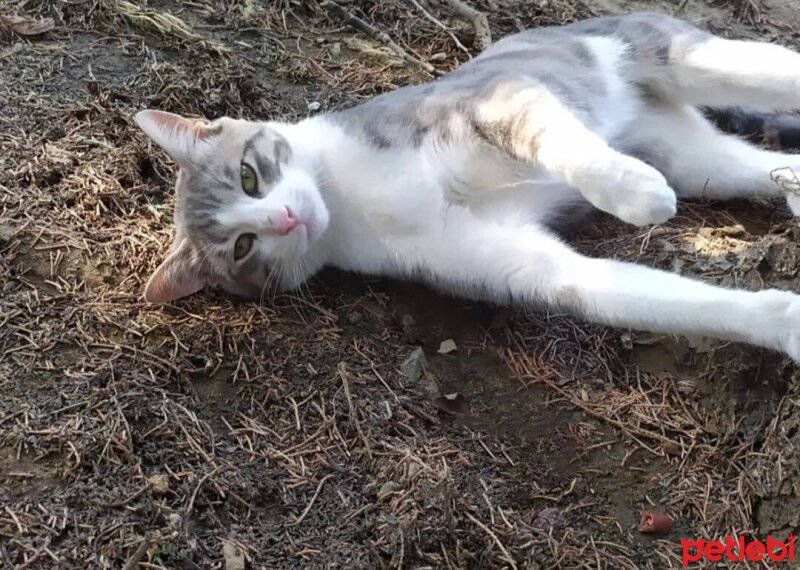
[(303, 293), (268, 281)]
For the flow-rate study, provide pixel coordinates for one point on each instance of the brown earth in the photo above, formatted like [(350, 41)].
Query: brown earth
[(292, 434)]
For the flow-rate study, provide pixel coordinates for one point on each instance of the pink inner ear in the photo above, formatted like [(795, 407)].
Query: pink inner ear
[(194, 128), (175, 134), (163, 289), (172, 280)]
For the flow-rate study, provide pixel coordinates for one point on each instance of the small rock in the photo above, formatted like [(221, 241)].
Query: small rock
[(234, 560), (248, 11), (414, 365), (336, 49), (175, 521), (447, 346), (159, 483), (417, 375), (387, 489), (387, 413), (314, 106)]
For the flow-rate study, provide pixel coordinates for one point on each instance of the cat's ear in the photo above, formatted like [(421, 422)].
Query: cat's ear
[(180, 137), (178, 276)]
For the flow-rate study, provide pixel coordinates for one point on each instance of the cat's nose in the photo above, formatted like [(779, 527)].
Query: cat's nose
[(285, 222)]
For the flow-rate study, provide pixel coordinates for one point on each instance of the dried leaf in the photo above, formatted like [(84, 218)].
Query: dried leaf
[(25, 25), (455, 404)]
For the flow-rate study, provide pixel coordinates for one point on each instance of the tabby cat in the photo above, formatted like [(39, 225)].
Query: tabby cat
[(461, 182)]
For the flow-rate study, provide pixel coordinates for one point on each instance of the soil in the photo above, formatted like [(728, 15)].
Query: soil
[(295, 433)]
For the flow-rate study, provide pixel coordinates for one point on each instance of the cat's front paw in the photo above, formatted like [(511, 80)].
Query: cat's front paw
[(643, 196), (779, 311)]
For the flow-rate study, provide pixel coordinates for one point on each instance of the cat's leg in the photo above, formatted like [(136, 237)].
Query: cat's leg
[(525, 264), (698, 160), (531, 125), (720, 72)]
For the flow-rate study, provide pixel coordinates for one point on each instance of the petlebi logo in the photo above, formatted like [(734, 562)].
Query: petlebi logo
[(735, 549)]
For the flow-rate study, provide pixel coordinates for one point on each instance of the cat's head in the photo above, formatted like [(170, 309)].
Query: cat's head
[(245, 214)]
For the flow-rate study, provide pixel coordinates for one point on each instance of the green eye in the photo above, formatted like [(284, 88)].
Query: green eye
[(249, 180), (243, 245)]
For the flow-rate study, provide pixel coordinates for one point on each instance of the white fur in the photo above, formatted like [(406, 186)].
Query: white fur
[(617, 106), (721, 72)]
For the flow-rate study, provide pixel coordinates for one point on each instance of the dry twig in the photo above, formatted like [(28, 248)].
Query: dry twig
[(378, 35), (133, 562), (479, 21)]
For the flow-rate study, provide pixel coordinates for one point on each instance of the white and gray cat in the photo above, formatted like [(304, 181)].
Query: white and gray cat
[(457, 182)]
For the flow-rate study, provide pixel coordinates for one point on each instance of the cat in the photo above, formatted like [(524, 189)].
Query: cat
[(460, 182)]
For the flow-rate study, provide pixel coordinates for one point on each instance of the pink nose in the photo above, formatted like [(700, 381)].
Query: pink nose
[(285, 222)]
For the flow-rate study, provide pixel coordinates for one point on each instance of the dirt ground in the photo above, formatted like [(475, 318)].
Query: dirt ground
[(310, 432)]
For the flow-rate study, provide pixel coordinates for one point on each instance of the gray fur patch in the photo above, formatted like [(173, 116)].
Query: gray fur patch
[(649, 152), (268, 170), (200, 195), (283, 152), (554, 57), (250, 143)]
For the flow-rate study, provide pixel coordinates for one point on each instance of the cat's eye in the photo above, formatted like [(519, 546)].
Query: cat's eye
[(243, 245), (249, 179)]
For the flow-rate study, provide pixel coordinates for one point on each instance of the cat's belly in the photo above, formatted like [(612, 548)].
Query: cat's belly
[(509, 192)]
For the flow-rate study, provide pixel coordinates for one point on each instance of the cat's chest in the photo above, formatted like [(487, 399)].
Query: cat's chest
[(389, 204)]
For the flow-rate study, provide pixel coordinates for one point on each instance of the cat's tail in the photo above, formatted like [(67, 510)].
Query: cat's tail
[(780, 131)]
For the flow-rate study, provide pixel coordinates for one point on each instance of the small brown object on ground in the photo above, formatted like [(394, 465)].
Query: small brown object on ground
[(655, 523), (159, 483)]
